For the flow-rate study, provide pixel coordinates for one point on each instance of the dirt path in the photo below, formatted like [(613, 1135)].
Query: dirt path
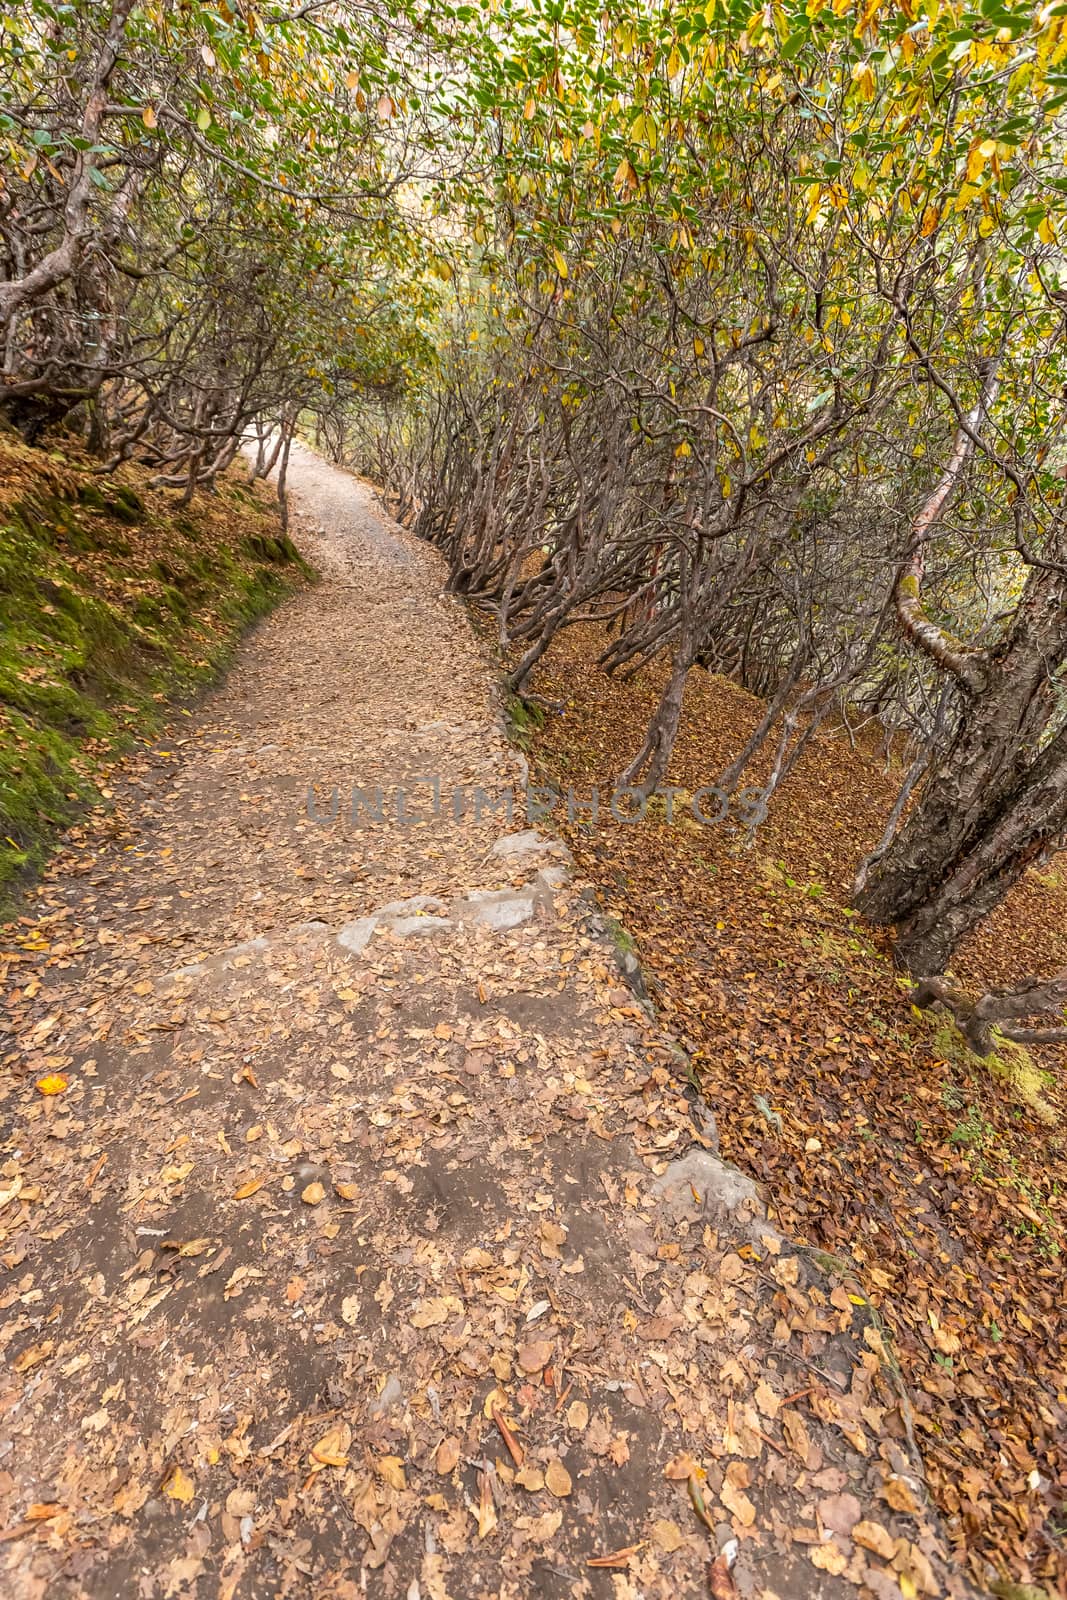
[(377, 1245)]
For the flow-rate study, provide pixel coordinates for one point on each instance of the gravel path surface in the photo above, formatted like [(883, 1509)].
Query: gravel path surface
[(377, 1245)]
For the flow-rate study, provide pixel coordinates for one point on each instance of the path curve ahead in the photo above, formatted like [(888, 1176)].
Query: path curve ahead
[(375, 1247)]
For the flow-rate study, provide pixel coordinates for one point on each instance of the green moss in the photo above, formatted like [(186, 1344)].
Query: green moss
[(1010, 1063), (522, 719), (621, 937)]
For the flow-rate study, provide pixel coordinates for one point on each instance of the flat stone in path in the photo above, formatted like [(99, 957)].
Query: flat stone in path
[(377, 1246)]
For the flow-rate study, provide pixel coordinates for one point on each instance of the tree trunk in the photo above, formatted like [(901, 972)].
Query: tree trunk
[(991, 803)]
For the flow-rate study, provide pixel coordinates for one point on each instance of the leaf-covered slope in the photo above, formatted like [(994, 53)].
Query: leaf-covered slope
[(113, 600), (879, 1137)]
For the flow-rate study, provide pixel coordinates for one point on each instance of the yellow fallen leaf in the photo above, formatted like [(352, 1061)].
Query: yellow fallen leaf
[(872, 1536), (557, 1479), (313, 1194), (248, 1188), (447, 1455), (52, 1083), (178, 1485), (332, 1448)]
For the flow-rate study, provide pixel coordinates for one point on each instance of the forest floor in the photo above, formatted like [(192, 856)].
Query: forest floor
[(877, 1135), (362, 1228)]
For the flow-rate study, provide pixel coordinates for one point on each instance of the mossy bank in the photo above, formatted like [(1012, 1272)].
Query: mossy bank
[(115, 602)]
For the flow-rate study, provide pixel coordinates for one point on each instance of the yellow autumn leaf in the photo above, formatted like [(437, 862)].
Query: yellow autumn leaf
[(52, 1083), (178, 1485), (332, 1448), (148, 117), (561, 263)]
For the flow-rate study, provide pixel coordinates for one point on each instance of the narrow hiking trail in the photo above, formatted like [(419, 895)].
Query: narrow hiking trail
[(377, 1245)]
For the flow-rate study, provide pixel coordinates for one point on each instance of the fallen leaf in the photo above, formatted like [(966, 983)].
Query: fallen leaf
[(737, 1503), (447, 1456), (721, 1584), (53, 1083), (178, 1485), (532, 1357), (486, 1508), (828, 1558), (667, 1535), (557, 1478), (899, 1496), (391, 1469), (577, 1416), (332, 1448), (872, 1536), (313, 1194), (617, 1558), (683, 1467)]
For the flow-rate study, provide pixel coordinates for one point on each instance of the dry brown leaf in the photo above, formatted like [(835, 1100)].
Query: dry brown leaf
[(448, 1452), (487, 1518), (557, 1478), (721, 1585), (532, 1357), (578, 1416), (667, 1535), (872, 1536), (391, 1470), (530, 1477), (737, 1503), (797, 1435), (313, 1195), (432, 1312), (617, 1558), (828, 1558), (900, 1497), (248, 1188)]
